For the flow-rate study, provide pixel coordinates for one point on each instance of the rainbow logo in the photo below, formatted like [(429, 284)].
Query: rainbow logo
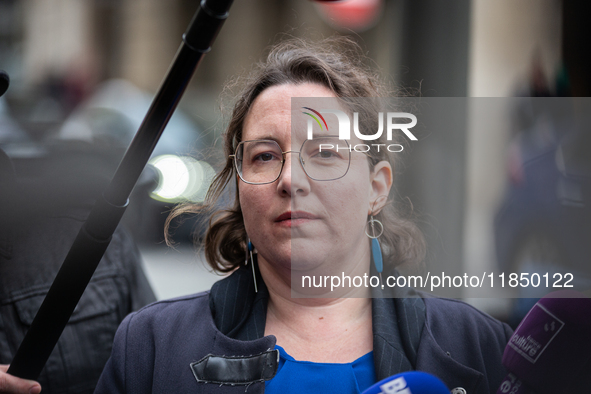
[(315, 118)]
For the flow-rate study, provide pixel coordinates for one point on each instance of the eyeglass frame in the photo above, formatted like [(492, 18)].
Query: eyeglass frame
[(234, 156)]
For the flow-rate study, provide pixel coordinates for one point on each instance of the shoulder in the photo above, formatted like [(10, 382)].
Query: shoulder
[(448, 316), (167, 320), (454, 309), (154, 346), (463, 345), (173, 304), (183, 310)]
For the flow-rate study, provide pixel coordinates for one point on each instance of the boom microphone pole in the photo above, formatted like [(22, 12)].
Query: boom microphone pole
[(4, 82), (95, 235)]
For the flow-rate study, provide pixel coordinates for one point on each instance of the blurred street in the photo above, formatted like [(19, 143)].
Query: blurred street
[(176, 272)]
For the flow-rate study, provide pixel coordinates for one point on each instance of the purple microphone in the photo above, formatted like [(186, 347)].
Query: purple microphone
[(550, 352)]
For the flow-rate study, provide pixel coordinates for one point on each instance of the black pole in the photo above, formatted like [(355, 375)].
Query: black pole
[(95, 235), (4, 82)]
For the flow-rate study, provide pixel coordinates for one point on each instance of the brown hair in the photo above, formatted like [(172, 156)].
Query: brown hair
[(336, 63)]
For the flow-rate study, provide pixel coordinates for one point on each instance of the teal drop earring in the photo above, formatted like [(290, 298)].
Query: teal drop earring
[(374, 229)]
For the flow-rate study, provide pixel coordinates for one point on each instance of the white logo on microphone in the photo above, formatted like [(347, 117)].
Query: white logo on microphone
[(542, 328), (396, 386)]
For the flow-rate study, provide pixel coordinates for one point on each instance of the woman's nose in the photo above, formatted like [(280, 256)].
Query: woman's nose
[(293, 180)]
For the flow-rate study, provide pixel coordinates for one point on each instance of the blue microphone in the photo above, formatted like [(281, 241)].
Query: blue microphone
[(415, 382)]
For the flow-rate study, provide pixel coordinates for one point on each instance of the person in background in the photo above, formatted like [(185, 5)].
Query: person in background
[(37, 228)]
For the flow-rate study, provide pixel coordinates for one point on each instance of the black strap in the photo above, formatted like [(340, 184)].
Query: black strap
[(236, 370)]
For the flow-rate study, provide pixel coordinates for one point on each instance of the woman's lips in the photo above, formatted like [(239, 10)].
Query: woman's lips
[(289, 219)]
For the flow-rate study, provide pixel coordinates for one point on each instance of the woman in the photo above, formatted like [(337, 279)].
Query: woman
[(298, 209)]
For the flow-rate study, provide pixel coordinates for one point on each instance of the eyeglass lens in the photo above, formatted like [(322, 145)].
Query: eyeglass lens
[(323, 159)]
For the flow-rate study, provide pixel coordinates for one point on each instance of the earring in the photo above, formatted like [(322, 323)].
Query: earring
[(376, 250), (249, 249)]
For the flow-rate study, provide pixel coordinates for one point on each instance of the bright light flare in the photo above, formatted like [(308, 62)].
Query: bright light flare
[(181, 178)]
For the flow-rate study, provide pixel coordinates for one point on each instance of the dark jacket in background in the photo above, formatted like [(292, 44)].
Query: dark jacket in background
[(36, 233)]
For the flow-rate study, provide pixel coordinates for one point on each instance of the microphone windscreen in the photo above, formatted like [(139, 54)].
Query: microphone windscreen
[(4, 82), (550, 351), (415, 382)]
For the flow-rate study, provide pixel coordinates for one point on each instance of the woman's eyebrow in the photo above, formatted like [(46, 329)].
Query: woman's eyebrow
[(257, 143), (264, 137)]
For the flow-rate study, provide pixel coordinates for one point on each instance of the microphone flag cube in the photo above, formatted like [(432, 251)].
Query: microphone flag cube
[(550, 351)]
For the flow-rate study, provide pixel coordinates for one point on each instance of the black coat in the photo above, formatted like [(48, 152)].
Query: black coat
[(155, 347)]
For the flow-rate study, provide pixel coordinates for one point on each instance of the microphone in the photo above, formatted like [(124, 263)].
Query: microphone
[(550, 351), (4, 82), (414, 382)]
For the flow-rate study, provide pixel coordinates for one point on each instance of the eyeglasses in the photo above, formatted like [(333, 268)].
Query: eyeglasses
[(261, 161)]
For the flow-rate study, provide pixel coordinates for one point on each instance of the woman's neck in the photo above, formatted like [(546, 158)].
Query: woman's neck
[(336, 330)]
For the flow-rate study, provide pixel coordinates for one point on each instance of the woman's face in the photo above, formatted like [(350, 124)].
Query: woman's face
[(297, 223)]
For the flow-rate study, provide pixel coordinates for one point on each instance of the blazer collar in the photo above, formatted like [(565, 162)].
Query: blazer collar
[(240, 313)]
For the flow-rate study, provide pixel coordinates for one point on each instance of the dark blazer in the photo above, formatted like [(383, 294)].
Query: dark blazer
[(155, 347)]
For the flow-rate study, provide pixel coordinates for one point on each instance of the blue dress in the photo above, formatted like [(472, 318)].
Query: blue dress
[(295, 376)]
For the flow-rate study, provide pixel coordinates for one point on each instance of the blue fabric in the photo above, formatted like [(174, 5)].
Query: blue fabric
[(295, 376)]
